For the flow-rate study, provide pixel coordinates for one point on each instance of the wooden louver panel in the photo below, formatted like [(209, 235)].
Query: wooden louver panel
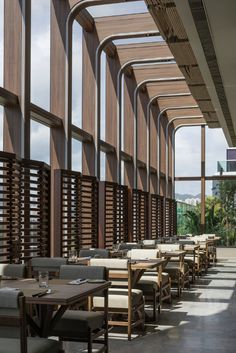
[(35, 209), (140, 215), (115, 214), (24, 208), (157, 216), (79, 211), (167, 217)]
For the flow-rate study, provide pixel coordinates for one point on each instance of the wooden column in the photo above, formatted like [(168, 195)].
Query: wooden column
[(203, 178), (90, 43), (17, 21), (59, 12)]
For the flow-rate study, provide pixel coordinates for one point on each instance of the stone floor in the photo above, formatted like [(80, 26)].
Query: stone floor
[(203, 321)]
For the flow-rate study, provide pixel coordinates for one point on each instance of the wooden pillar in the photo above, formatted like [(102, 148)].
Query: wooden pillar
[(90, 43), (58, 141), (203, 178), (17, 21)]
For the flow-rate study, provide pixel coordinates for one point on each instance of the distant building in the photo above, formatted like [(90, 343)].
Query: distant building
[(227, 167)]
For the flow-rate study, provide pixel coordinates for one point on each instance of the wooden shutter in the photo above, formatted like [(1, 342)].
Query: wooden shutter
[(157, 216), (139, 215)]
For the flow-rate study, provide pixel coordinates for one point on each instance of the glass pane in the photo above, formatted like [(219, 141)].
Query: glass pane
[(40, 53), (188, 151), (40, 142), (216, 146), (221, 210), (77, 75), (188, 195), (103, 96), (102, 166), (76, 155), (118, 9), (1, 128), (1, 40)]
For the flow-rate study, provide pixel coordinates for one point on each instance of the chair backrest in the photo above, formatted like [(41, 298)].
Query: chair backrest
[(143, 254), (13, 270), (98, 253), (88, 272), (149, 243), (50, 264), (129, 246), (186, 242), (168, 247), (13, 316), (119, 274)]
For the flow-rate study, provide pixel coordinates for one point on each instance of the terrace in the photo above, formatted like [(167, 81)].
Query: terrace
[(91, 109)]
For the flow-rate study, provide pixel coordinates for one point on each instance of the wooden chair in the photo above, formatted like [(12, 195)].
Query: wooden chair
[(179, 274), (156, 290), (13, 328), (83, 325), (123, 298)]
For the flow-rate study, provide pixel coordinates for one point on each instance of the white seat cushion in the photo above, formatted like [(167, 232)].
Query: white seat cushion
[(118, 298)]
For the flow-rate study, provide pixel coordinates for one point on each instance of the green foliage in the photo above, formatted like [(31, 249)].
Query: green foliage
[(220, 215)]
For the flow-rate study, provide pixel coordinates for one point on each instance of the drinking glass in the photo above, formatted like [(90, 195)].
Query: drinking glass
[(43, 279), (72, 255)]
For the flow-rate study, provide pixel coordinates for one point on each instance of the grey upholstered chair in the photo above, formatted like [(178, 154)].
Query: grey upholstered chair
[(99, 253), (50, 264), (13, 270), (78, 325), (13, 314)]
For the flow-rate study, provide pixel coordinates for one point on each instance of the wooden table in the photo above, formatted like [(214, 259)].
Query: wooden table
[(180, 254), (63, 296), (139, 266)]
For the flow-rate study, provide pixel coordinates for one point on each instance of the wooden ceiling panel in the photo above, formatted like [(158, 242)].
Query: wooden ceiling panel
[(142, 51), (106, 26)]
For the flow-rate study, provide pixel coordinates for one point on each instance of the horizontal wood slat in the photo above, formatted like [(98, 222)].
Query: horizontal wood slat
[(24, 208), (79, 211), (157, 216), (140, 211), (115, 214)]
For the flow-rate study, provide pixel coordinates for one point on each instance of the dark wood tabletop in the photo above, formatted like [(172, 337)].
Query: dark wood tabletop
[(62, 293)]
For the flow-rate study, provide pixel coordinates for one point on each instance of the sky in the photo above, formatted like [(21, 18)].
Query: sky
[(187, 139)]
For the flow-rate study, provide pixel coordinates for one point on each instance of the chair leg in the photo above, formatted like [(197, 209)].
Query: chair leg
[(90, 343), (154, 304)]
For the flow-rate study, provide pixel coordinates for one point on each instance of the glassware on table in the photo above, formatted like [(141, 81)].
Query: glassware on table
[(43, 279), (72, 256)]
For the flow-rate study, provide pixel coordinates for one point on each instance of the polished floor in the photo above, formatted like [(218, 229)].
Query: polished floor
[(203, 321)]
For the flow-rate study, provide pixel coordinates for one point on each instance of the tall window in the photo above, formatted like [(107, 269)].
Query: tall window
[(1, 128), (216, 146), (1, 40), (188, 151), (77, 74), (103, 166), (103, 96), (40, 142), (40, 53), (76, 155)]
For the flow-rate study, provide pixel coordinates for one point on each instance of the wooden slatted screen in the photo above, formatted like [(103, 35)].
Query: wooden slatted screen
[(89, 212), (139, 215), (167, 204), (35, 209), (122, 214), (9, 208), (114, 213), (79, 211), (157, 216), (173, 217), (24, 209)]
